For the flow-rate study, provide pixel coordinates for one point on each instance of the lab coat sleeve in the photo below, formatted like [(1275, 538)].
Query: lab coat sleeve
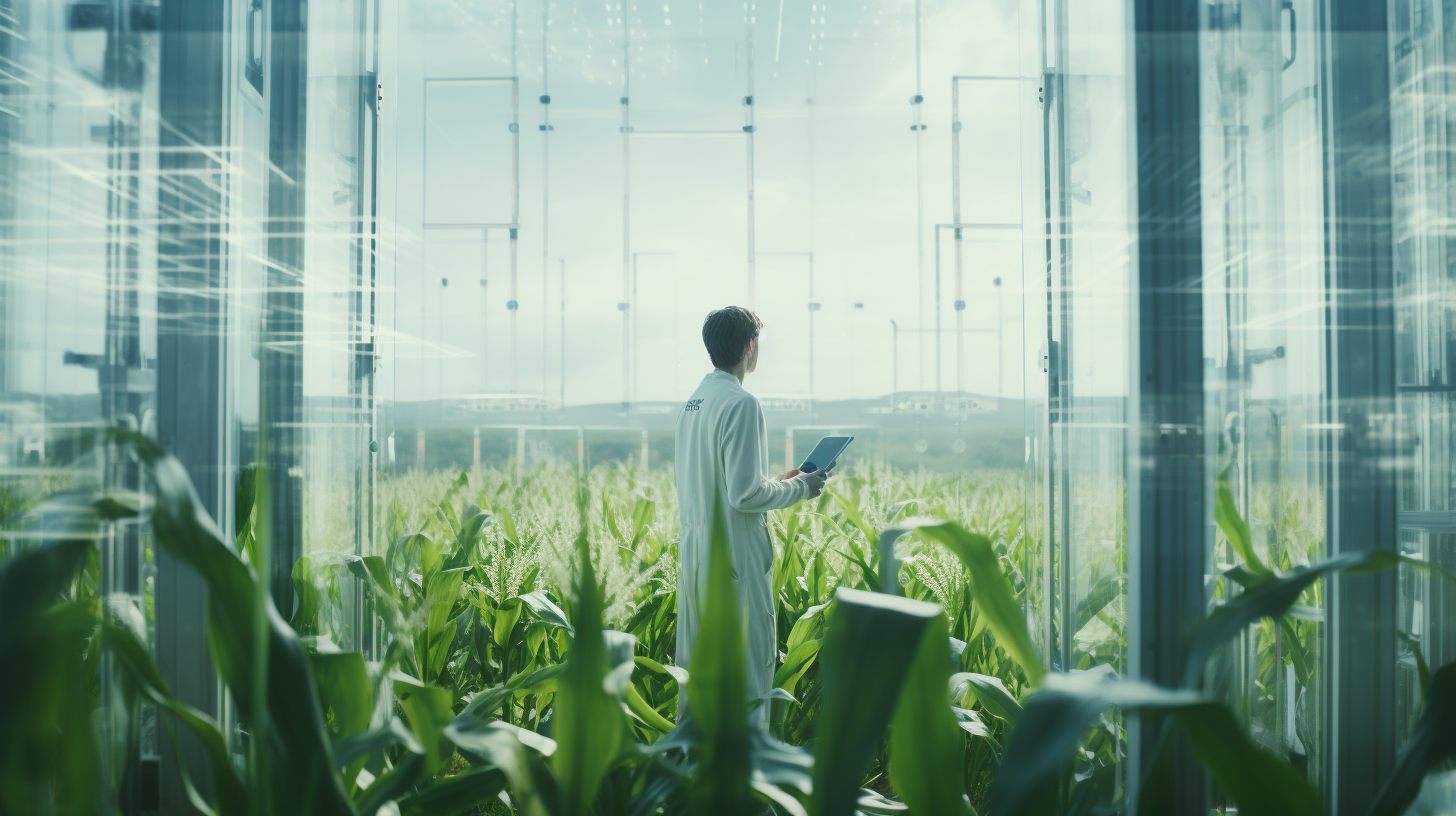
[(749, 490)]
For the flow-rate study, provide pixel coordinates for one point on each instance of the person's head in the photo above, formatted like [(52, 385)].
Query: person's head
[(731, 335)]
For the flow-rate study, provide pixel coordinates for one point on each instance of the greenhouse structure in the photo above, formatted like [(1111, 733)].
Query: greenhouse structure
[(348, 356)]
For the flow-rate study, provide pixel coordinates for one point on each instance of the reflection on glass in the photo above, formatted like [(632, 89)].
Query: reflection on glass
[(1265, 347), (1425, 341), (379, 271)]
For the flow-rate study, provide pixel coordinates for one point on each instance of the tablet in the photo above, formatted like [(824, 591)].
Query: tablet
[(825, 453)]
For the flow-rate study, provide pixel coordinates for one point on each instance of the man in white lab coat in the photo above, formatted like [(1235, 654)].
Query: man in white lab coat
[(722, 456)]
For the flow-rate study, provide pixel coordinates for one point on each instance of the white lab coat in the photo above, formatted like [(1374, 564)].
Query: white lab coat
[(722, 451)]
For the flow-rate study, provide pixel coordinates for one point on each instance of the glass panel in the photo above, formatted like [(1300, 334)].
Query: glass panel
[(393, 264), (151, 266), (1264, 348), (1086, 351), (1421, 53), (338, 331), (79, 190)]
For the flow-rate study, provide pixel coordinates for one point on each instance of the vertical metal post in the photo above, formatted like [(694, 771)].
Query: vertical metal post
[(788, 449), (420, 448), (813, 307), (750, 128), (190, 422), (918, 127), (955, 197), (520, 449), (545, 185), (894, 362), (636, 362), (960, 311), (956, 224), (282, 370), (514, 304), (425, 229), (580, 452), (626, 302), (440, 337), (484, 311), (1167, 514), (937, 330), (476, 458), (644, 449), (1000, 338), (563, 334), (1361, 730)]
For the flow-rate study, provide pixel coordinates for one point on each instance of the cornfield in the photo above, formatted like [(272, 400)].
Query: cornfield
[(522, 632)]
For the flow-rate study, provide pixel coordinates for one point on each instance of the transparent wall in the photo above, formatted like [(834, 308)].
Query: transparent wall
[(1420, 58), (1088, 316), (575, 187), (186, 216), (395, 280), (1306, 448), (1265, 349)]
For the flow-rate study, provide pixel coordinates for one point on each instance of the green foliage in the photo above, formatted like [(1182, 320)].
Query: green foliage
[(590, 729), (1232, 524), (528, 636), (45, 769), (1432, 744), (927, 747), (868, 650), (993, 596), (718, 687)]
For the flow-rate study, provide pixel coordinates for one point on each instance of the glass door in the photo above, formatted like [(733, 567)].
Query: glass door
[(1421, 52), (1264, 347)]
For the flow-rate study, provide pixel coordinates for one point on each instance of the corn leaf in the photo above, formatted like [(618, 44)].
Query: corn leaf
[(989, 691), (342, 683), (1432, 744), (645, 712), (868, 650), (990, 590), (926, 746), (589, 724), (644, 511), (303, 774), (547, 610), (1102, 593), (378, 739), (1062, 710), (1233, 526), (718, 690), (452, 795), (428, 709), (134, 661), (1275, 595), (850, 508), (506, 616), (534, 791), (432, 646), (1261, 783)]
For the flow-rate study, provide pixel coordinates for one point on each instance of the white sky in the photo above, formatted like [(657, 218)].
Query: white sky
[(837, 179)]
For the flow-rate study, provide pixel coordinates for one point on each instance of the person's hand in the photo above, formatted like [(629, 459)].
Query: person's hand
[(788, 475), (815, 481)]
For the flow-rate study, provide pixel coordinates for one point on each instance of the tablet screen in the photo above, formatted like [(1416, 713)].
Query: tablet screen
[(825, 453)]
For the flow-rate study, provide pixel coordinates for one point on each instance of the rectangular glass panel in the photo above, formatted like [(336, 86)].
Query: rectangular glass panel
[(1264, 346)]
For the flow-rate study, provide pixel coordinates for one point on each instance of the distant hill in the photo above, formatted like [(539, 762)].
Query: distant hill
[(914, 410), (977, 432)]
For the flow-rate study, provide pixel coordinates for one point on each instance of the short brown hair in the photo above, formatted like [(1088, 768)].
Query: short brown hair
[(726, 331)]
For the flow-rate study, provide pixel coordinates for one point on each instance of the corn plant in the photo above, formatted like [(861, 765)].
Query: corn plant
[(909, 680)]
